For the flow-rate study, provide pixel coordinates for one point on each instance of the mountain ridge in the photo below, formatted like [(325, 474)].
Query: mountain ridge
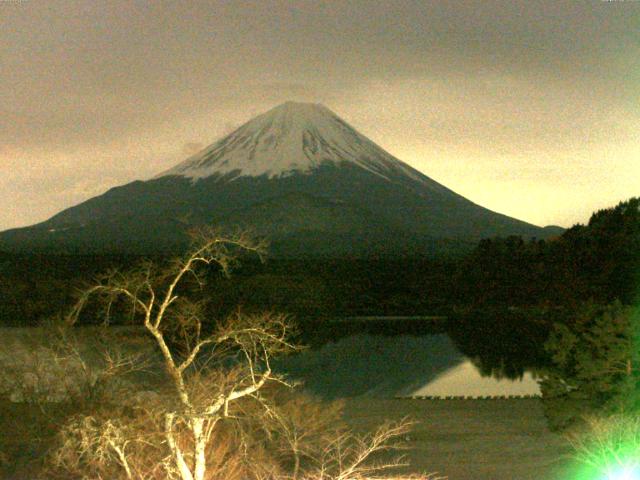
[(341, 186)]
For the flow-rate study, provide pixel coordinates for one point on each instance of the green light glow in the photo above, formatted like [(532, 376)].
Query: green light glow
[(624, 473), (612, 471), (609, 449)]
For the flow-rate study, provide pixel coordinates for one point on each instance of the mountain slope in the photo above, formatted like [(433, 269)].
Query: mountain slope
[(295, 172)]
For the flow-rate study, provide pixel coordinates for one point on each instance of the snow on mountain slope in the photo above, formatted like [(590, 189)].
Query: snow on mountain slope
[(292, 137)]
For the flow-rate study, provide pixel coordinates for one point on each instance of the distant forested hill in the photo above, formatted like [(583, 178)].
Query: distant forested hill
[(599, 261)]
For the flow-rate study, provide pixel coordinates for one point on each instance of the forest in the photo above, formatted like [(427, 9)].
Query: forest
[(597, 262)]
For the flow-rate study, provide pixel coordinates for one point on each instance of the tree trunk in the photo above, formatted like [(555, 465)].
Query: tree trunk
[(183, 468), (199, 444)]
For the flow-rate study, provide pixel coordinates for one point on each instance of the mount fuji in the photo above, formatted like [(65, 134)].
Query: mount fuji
[(298, 174)]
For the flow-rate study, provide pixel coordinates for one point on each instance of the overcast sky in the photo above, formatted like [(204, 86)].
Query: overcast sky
[(530, 108)]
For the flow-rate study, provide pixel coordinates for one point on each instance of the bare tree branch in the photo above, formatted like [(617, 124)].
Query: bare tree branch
[(218, 373)]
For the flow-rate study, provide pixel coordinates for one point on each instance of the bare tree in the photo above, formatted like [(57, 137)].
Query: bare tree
[(216, 371), (351, 457), (184, 338)]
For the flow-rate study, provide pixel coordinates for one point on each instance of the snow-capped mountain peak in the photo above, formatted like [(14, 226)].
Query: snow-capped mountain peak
[(292, 137), (300, 176)]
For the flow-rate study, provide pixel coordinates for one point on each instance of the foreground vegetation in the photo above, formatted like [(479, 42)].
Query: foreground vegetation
[(218, 411)]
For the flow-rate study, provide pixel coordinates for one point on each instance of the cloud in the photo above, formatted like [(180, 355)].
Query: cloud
[(192, 148)]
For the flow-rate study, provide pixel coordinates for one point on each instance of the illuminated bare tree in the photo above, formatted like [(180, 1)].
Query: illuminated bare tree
[(184, 338), (216, 370)]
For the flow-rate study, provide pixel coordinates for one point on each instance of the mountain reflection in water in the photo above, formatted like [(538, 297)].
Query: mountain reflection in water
[(382, 361)]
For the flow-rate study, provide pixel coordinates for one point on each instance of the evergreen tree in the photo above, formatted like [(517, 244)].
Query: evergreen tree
[(595, 365)]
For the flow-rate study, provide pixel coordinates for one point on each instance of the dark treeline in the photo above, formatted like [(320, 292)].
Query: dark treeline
[(597, 262), (33, 287)]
